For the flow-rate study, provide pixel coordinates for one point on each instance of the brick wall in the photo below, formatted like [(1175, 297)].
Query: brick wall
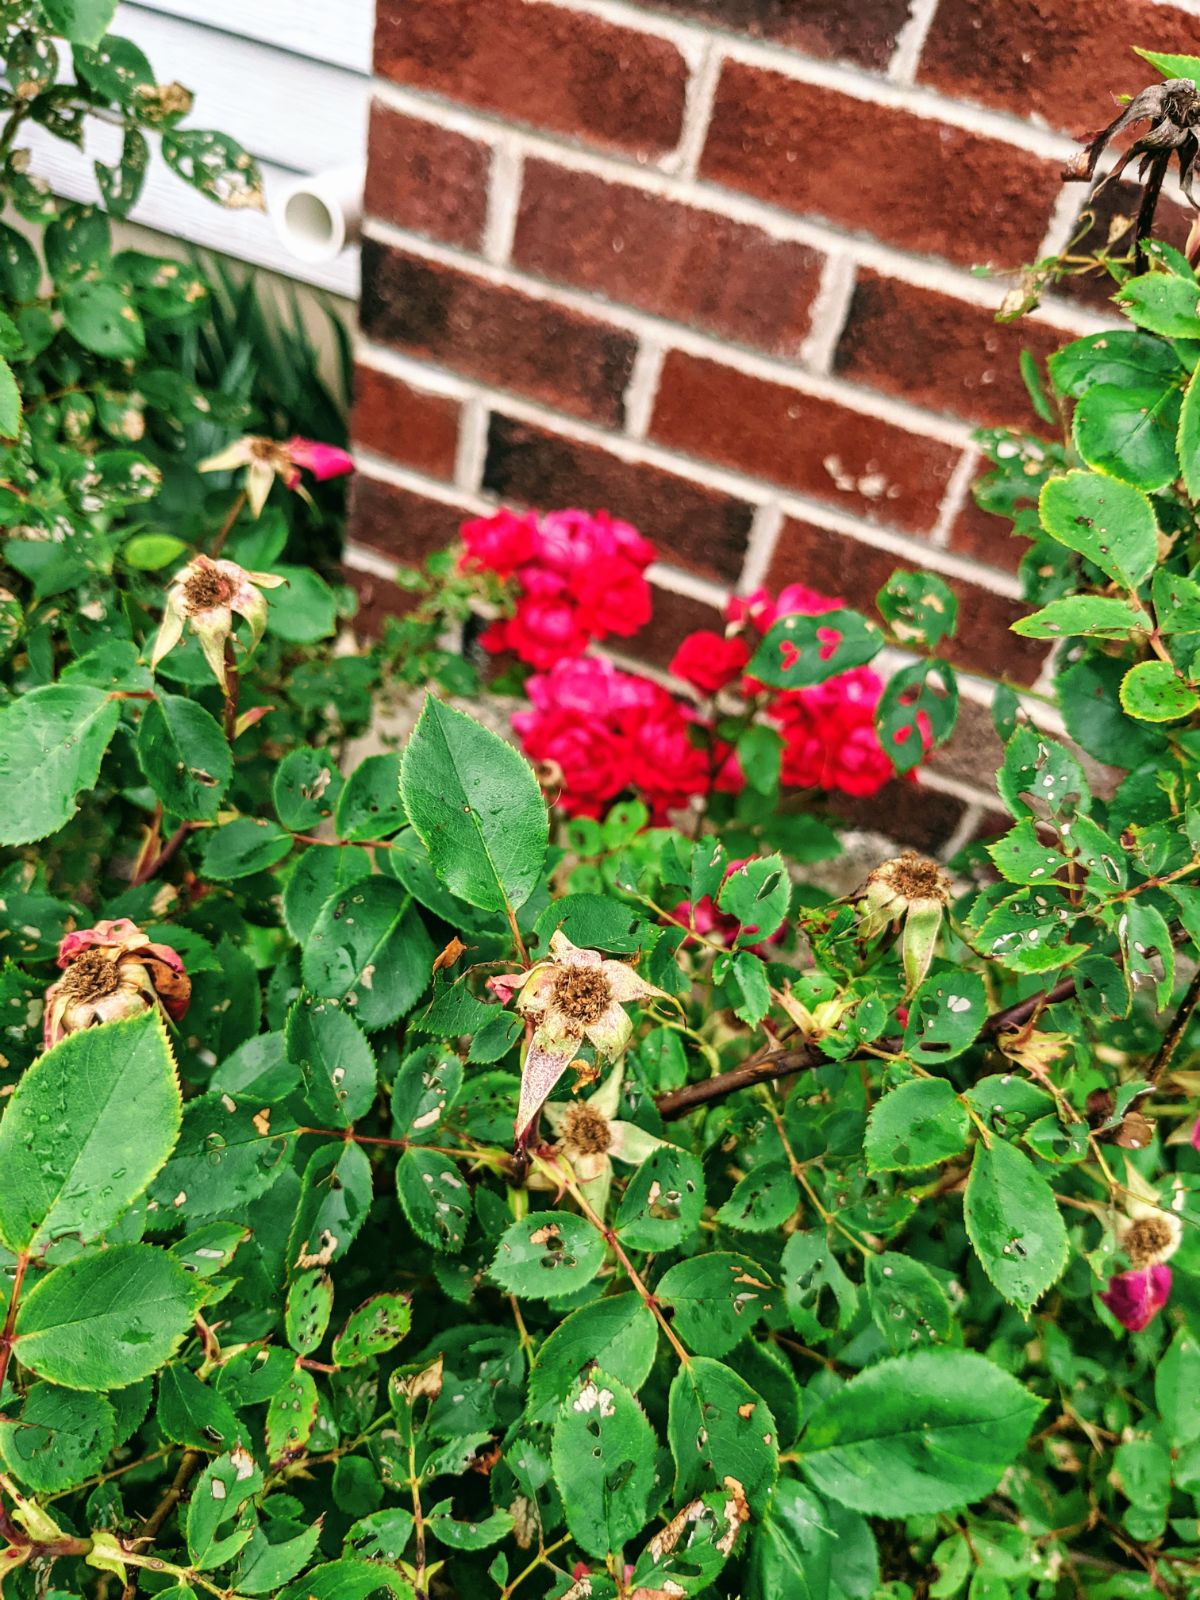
[(707, 264)]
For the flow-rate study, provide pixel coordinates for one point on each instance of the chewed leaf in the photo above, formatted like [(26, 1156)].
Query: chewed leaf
[(548, 1254)]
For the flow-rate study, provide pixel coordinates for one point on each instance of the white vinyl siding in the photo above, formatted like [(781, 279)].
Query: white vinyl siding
[(288, 78)]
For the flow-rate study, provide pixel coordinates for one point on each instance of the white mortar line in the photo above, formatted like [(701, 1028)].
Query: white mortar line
[(920, 271), (472, 445), (1062, 220), (642, 388), (378, 467), (645, 326), (909, 547), (504, 193), (955, 498), (838, 76), (910, 41), (827, 315), (764, 536), (361, 558), (967, 824), (676, 581), (697, 113)]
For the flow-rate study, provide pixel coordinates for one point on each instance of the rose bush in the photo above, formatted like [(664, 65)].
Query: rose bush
[(410, 1187)]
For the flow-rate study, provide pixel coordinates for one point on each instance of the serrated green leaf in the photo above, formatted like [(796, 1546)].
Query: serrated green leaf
[(719, 1428), (1153, 691), (186, 757), (663, 1200), (618, 1334), (1014, 1223), (436, 1200), (1110, 523), (373, 1328), (547, 1254), (305, 789), (307, 1311), (907, 1303), (60, 1437), (335, 1059), (799, 650), (52, 741), (718, 1298), (369, 950), (603, 1453), (916, 1126), (1090, 615)]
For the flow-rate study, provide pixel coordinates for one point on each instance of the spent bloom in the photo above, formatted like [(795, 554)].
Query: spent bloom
[(109, 972), (268, 459), (574, 996), (913, 891), (204, 597), (1149, 1236), (591, 1137)]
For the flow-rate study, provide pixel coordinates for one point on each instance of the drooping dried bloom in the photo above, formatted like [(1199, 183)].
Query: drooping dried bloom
[(1135, 1298), (1173, 111), (268, 459), (1148, 1235), (591, 1137), (575, 995), (109, 972), (915, 891), (204, 596)]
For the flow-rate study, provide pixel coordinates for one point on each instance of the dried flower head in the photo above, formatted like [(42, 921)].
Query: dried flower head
[(268, 459), (109, 972), (589, 1135), (912, 890), (575, 996), (204, 597), (1148, 1235)]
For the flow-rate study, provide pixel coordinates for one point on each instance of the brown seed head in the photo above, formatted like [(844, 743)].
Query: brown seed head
[(203, 589), (91, 976), (581, 995), (586, 1130), (913, 877), (1146, 1239)]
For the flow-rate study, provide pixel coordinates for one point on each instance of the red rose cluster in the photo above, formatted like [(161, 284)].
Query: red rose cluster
[(607, 731), (828, 730), (578, 576)]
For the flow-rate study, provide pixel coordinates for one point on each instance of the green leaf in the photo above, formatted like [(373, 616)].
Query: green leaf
[(799, 651), (81, 21), (275, 1552), (335, 1059), (244, 846), (810, 1550), (1021, 857), (1110, 523), (619, 1334), (919, 607), (758, 893), (72, 1172), (150, 552), (348, 1580), (307, 1311), (52, 741), (1092, 615), (1031, 932), (1176, 602), (477, 806), (663, 1201), (1177, 1388), (186, 757), (107, 1320), (547, 1255), (763, 1200), (229, 1152), (116, 70), (114, 478), (1172, 66), (916, 1126), (464, 1534), (291, 1415), (717, 1298), (719, 1428), (373, 1328), (1162, 303), (436, 1201), (370, 951), (1014, 1223), (10, 402), (918, 1433), (60, 1438), (1040, 777), (193, 1414), (335, 1197), (306, 788), (1130, 433), (1145, 940), (907, 1303), (215, 165), (919, 705), (820, 1298), (426, 1086), (220, 1518), (314, 880), (370, 807), (603, 1452), (944, 1017), (1123, 357), (304, 611), (1153, 691), (1188, 440), (103, 319)]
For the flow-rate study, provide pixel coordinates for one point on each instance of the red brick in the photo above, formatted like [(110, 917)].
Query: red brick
[(398, 522), (496, 334), (984, 536), (911, 814), (838, 565), (1096, 232), (426, 178), (692, 526), (540, 64), (912, 181), (1059, 59), (672, 260), (378, 599), (408, 425), (855, 462), (675, 616), (862, 31), (940, 352)]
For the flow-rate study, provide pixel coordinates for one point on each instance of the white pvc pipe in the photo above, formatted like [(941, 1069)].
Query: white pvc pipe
[(317, 216)]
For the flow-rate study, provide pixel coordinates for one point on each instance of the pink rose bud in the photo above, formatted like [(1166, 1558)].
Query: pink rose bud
[(1135, 1298)]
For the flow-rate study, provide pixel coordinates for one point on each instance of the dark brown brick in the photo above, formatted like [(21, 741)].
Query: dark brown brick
[(910, 813), (984, 536), (1059, 59), (408, 425), (539, 64), (974, 753), (1098, 232), (912, 181), (692, 526), (838, 565), (496, 334), (673, 260), (862, 31), (398, 522), (426, 178), (675, 616), (855, 462), (378, 599), (940, 352)]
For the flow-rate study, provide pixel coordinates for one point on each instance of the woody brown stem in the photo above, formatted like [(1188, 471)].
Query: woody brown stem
[(188, 1468), (226, 527), (1173, 1037)]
